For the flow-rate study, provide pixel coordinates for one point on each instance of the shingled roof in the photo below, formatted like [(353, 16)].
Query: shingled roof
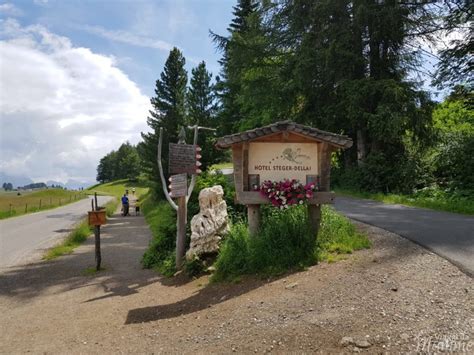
[(337, 140)]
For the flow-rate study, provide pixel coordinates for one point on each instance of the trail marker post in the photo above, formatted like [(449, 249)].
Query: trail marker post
[(183, 160), (97, 217)]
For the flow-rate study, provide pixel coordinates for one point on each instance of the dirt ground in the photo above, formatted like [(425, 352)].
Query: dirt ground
[(395, 297)]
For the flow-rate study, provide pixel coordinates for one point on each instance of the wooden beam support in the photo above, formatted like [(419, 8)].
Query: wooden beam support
[(314, 216), (255, 198), (245, 166), (325, 161), (254, 216), (181, 232)]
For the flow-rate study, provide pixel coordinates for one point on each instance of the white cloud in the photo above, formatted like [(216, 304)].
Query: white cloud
[(129, 38), (10, 10), (61, 107)]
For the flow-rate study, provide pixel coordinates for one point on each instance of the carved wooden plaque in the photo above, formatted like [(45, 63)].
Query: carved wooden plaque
[(182, 158), (179, 185)]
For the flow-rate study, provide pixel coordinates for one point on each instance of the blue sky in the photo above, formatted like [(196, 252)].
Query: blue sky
[(139, 34), (76, 76)]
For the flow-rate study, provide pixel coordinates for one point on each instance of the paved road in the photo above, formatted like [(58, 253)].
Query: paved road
[(449, 235), (24, 238)]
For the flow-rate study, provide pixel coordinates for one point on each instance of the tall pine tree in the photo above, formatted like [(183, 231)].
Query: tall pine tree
[(169, 113), (202, 110), (228, 86)]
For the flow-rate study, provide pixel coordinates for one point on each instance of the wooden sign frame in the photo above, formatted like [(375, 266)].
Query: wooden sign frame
[(243, 186), (282, 132)]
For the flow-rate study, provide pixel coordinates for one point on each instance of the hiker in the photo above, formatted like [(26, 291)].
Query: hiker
[(137, 207), (125, 205)]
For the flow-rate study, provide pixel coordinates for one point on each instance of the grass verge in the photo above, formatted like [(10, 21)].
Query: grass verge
[(91, 271), (117, 188), (285, 242), (338, 237), (72, 241), (12, 204), (78, 235), (428, 198), (161, 219), (221, 166), (111, 207)]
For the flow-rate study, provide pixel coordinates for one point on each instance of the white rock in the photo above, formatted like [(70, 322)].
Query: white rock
[(210, 224), (345, 341), (362, 344)]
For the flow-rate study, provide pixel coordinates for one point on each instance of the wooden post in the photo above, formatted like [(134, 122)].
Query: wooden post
[(254, 216), (181, 233), (40, 204), (314, 216), (26, 208), (95, 199), (98, 256)]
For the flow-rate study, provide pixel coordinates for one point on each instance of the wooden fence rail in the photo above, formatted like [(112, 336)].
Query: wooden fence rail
[(31, 205)]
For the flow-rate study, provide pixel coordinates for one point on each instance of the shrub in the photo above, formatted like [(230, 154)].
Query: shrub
[(194, 267), (286, 242), (162, 221), (234, 258)]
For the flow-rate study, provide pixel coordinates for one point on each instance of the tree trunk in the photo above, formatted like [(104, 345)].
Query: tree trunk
[(361, 146)]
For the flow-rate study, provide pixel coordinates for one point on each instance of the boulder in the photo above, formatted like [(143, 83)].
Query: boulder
[(210, 224)]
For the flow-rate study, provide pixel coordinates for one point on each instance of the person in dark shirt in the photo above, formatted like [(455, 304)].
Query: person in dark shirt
[(125, 205)]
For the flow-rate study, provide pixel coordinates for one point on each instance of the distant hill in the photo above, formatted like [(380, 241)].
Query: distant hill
[(15, 180), (76, 184), (23, 182)]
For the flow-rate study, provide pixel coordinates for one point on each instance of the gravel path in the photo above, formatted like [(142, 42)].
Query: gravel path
[(395, 297), (450, 235)]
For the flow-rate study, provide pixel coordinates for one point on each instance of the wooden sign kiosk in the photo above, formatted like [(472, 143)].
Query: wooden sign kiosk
[(283, 150)]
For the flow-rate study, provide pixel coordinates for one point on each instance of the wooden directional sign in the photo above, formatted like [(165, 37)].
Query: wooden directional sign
[(179, 185), (182, 158), (97, 218)]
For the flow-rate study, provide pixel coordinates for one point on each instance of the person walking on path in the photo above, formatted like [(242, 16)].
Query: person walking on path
[(137, 207), (125, 205)]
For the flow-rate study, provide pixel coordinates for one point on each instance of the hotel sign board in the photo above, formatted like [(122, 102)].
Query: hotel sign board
[(279, 161)]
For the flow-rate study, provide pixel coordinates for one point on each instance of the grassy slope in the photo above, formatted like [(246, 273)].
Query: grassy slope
[(222, 166), (49, 198), (117, 188), (443, 202)]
